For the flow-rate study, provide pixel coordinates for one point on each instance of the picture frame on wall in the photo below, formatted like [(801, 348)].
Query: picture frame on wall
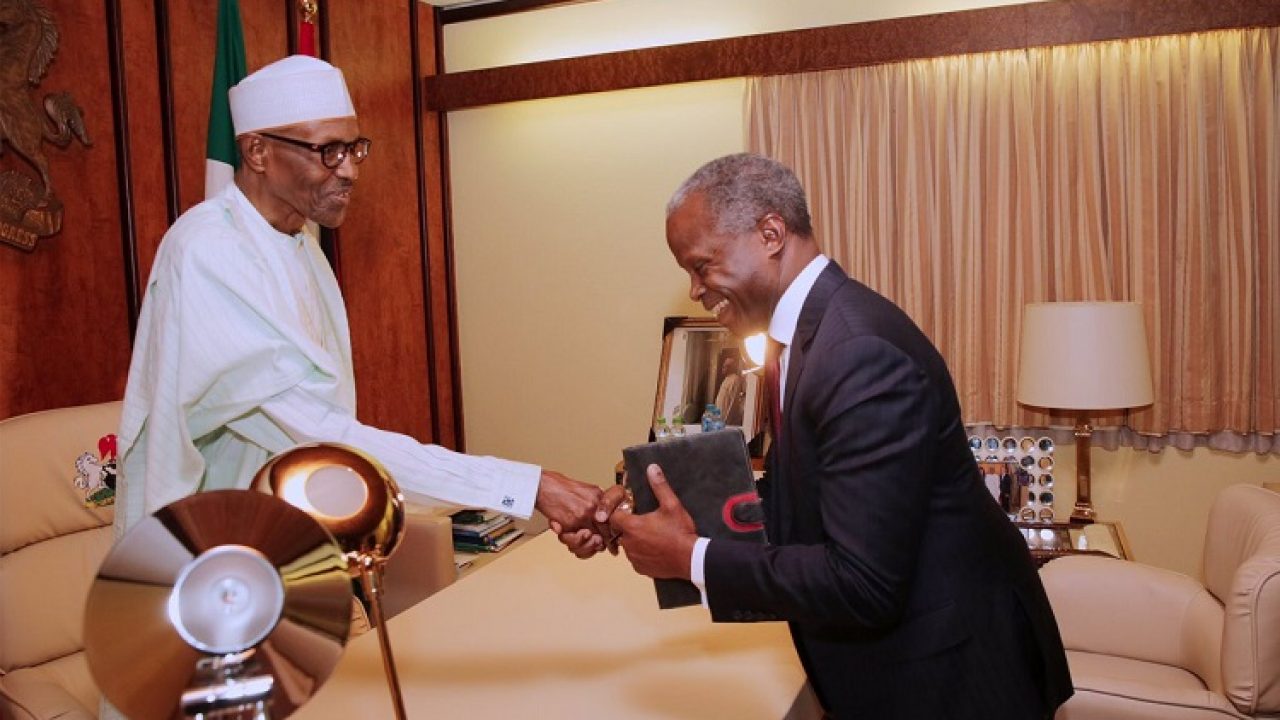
[(703, 363)]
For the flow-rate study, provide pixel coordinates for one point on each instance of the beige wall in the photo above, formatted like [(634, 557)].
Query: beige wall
[(564, 277), (563, 272)]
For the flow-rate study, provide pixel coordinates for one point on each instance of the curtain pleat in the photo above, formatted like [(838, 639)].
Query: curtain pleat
[(1142, 170)]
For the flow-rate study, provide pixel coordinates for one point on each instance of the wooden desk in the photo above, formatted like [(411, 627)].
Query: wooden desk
[(539, 633)]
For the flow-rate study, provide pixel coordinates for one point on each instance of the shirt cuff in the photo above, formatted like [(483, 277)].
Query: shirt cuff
[(515, 486), (697, 571)]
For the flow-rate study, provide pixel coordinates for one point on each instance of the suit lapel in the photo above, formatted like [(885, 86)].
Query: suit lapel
[(815, 306)]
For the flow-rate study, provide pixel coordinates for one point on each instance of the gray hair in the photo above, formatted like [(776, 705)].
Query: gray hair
[(740, 189)]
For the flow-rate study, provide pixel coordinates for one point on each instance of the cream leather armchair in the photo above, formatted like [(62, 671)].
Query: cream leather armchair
[(1144, 642), (52, 543)]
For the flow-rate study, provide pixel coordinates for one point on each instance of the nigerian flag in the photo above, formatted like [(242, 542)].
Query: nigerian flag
[(221, 158)]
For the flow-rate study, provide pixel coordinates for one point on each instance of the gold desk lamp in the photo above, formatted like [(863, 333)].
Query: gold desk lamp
[(228, 604), (354, 498)]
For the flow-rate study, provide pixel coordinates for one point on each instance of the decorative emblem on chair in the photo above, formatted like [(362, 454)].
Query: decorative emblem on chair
[(96, 474), (28, 41)]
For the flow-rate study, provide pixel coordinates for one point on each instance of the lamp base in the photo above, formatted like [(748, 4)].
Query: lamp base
[(1083, 514)]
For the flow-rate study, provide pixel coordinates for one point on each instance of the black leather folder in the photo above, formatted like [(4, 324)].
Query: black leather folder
[(711, 474)]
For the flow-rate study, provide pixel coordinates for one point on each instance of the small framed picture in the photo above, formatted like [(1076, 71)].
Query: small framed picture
[(703, 365)]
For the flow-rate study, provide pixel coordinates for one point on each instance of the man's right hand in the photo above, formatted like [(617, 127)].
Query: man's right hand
[(659, 543), (578, 512), (587, 542)]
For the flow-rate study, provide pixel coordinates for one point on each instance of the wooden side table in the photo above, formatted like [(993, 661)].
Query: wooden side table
[(1047, 541)]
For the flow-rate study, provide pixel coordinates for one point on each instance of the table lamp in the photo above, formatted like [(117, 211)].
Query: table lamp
[(1084, 356), (354, 498), (753, 349)]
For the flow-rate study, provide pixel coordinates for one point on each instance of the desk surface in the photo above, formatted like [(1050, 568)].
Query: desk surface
[(540, 633)]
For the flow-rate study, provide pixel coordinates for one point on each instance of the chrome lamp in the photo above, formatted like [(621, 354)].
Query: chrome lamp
[(1084, 357)]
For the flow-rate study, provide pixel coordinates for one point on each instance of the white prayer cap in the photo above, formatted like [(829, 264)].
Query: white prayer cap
[(296, 89)]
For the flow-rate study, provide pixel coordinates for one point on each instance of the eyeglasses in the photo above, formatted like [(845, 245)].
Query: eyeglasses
[(332, 154)]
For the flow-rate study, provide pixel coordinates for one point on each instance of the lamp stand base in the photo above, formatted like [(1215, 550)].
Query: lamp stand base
[(1083, 515)]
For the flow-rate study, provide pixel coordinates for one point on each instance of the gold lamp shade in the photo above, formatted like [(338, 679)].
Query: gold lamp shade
[(353, 497), (349, 493)]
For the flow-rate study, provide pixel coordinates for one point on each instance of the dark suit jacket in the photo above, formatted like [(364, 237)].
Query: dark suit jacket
[(908, 592)]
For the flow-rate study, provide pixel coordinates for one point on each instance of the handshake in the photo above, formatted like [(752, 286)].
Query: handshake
[(588, 520)]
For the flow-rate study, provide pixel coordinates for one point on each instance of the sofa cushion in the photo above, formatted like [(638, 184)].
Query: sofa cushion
[(1115, 607), (42, 595), (1124, 689), (1093, 667), (60, 689)]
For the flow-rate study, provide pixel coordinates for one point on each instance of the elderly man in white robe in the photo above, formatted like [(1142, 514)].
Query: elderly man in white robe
[(243, 349)]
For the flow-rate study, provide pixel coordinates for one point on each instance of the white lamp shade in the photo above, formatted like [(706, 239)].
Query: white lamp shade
[(1084, 356), (754, 348)]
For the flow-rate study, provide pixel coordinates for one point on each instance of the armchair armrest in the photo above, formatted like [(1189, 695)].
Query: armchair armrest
[(1116, 607)]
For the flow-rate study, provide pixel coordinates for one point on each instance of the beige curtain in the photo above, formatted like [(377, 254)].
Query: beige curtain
[(1144, 170)]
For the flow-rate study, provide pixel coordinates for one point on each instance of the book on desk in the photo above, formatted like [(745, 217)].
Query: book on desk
[(479, 531)]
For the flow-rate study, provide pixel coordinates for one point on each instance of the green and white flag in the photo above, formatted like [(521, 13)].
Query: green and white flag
[(221, 158)]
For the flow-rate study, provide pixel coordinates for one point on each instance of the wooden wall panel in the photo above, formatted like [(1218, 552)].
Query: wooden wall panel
[(192, 27), (65, 309), (63, 314), (145, 133), (190, 46), (379, 244), (442, 330)]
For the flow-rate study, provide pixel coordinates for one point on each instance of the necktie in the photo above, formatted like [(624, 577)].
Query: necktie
[(773, 383)]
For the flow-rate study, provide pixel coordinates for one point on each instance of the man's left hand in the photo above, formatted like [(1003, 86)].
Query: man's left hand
[(658, 544)]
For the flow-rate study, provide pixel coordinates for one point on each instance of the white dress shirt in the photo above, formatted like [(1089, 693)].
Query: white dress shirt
[(782, 328)]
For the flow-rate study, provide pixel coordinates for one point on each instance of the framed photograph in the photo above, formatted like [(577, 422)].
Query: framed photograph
[(703, 364)]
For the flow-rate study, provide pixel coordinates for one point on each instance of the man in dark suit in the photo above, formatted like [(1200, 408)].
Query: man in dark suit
[(908, 592)]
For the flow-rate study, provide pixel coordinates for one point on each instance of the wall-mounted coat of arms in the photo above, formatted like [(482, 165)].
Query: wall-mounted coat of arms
[(29, 209)]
